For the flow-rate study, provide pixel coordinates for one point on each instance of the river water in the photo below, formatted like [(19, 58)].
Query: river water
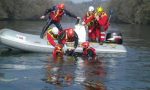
[(36, 71)]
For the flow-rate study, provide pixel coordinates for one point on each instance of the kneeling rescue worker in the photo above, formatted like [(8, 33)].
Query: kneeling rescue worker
[(69, 38), (87, 50)]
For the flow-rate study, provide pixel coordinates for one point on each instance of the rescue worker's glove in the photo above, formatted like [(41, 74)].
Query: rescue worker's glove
[(90, 31), (78, 20), (97, 17), (42, 17), (83, 23), (70, 52)]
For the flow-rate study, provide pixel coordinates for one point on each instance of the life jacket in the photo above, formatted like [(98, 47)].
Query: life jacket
[(51, 37), (92, 21), (56, 15), (49, 32), (106, 25)]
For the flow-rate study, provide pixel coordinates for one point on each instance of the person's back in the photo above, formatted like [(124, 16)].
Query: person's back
[(103, 22), (103, 18), (52, 35)]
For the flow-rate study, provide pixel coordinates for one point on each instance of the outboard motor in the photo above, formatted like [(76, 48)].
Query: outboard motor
[(114, 37)]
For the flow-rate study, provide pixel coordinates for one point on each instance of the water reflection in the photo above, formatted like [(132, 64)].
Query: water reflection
[(111, 71), (94, 73), (3, 78), (88, 73), (94, 86), (60, 72)]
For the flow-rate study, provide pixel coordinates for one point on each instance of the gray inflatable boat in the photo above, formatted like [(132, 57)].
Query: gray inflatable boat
[(33, 43)]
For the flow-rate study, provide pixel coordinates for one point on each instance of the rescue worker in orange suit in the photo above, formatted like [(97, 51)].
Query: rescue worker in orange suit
[(102, 18), (55, 15), (90, 22), (69, 36), (52, 35), (87, 50)]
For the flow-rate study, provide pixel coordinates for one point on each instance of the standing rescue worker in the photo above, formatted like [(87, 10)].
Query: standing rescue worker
[(102, 18), (55, 15), (68, 37), (90, 21)]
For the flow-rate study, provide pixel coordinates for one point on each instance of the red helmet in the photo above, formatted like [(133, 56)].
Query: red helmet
[(61, 6), (70, 32), (85, 44)]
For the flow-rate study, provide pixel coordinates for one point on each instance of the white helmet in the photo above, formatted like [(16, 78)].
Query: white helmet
[(91, 8), (55, 30)]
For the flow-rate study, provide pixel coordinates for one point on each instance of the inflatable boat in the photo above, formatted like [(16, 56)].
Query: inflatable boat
[(33, 43)]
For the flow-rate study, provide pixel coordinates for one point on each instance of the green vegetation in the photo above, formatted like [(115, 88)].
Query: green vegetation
[(22, 9), (126, 11), (131, 11), (33, 9)]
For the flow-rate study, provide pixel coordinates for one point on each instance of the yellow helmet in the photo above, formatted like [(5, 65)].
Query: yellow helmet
[(100, 9)]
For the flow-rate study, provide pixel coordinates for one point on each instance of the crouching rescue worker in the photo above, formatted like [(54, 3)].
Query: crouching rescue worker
[(55, 15), (102, 18), (52, 35), (87, 50), (69, 38)]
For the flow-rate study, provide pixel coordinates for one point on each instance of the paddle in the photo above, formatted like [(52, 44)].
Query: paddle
[(110, 14)]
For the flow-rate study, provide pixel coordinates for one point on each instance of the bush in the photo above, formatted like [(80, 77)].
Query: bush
[(131, 11)]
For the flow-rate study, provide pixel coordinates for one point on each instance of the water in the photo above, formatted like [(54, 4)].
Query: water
[(36, 71)]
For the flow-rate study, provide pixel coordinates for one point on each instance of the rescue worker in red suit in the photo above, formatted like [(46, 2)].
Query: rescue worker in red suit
[(69, 36), (103, 22), (87, 50), (55, 15), (52, 35), (90, 22)]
